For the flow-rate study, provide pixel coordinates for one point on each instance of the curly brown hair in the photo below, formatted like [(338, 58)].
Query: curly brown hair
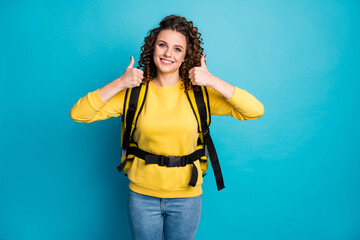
[(194, 51)]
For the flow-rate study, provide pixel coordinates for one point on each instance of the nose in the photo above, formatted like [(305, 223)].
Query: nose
[(167, 53)]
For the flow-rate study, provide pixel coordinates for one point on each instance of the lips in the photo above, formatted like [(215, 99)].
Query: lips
[(166, 60)]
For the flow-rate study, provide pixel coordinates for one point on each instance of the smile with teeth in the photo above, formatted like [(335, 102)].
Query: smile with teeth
[(166, 61)]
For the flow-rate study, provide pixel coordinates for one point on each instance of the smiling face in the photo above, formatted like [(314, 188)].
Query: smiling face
[(169, 51)]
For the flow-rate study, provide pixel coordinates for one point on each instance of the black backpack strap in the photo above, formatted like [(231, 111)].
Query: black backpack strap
[(129, 116), (205, 116)]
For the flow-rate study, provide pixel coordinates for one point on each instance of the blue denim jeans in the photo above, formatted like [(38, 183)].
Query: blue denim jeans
[(157, 218)]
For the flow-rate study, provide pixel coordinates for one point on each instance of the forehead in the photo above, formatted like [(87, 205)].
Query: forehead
[(172, 37)]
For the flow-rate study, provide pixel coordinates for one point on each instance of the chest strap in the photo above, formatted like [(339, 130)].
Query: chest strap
[(171, 161)]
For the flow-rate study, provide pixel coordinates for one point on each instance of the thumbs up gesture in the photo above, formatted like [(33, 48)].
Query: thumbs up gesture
[(132, 77), (200, 75)]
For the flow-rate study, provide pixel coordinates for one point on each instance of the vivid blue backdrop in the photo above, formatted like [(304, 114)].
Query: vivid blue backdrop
[(292, 174)]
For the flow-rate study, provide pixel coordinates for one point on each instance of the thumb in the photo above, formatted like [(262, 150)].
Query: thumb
[(203, 64), (131, 65)]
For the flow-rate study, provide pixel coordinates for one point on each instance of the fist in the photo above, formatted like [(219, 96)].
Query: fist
[(132, 77), (200, 75)]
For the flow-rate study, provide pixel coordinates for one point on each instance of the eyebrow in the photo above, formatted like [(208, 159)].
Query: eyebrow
[(174, 45)]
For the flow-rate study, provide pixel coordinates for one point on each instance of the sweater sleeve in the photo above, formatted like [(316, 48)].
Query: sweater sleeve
[(242, 105), (91, 108)]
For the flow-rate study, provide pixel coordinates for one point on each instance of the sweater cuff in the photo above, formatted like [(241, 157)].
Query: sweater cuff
[(95, 100), (237, 96)]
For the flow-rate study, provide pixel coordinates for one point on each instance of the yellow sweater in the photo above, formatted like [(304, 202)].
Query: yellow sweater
[(166, 126)]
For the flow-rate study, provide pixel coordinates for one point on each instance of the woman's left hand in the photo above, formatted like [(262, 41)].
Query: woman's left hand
[(200, 75)]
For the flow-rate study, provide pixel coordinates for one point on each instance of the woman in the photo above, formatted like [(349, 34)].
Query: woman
[(161, 203)]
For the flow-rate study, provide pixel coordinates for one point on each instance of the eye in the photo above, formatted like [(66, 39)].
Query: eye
[(178, 49), (161, 44)]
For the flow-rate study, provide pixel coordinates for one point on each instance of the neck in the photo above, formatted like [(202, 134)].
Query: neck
[(166, 79)]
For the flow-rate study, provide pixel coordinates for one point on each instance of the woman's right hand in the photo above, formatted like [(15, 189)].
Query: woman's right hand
[(132, 77)]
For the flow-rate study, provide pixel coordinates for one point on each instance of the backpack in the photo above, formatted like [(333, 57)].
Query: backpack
[(199, 102)]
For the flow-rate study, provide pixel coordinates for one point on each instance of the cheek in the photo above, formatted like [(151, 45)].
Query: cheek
[(181, 58), (156, 51)]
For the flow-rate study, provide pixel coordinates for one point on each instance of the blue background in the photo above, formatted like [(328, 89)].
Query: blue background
[(292, 174)]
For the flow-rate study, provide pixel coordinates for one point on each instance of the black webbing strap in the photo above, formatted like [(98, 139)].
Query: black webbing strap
[(124, 107), (199, 98), (214, 160), (130, 113), (194, 175), (170, 161), (122, 165)]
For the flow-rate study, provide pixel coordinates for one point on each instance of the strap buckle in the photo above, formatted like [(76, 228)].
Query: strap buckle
[(206, 132), (174, 162), (163, 161)]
